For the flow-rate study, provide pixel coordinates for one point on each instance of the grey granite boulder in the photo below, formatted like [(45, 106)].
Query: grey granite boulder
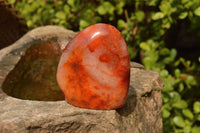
[(30, 100)]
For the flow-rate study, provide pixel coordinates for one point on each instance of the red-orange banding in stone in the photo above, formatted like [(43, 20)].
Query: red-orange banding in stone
[(94, 69)]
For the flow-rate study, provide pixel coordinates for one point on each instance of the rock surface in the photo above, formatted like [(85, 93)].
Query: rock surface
[(140, 114)]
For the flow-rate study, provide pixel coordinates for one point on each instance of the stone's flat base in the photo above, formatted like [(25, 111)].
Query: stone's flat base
[(141, 112)]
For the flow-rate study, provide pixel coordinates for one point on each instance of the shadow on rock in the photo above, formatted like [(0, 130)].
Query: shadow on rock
[(130, 104), (34, 76)]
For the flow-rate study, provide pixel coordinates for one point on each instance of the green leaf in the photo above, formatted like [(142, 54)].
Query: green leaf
[(67, 9), (144, 46), (199, 58), (121, 23), (109, 7), (165, 113), (166, 23), (187, 113), (173, 53), (184, 1), (130, 50), (106, 7), (169, 84), (183, 15), (197, 11), (188, 62), (195, 129), (187, 129), (83, 24), (174, 96), (158, 15), (164, 51), (153, 2), (165, 7), (164, 73), (165, 99), (61, 15), (101, 10), (87, 15), (198, 117), (181, 87), (140, 16), (181, 104), (167, 106), (71, 2), (147, 63), (191, 80), (12, 1), (29, 23), (177, 73), (196, 107), (179, 121), (119, 7), (167, 60)]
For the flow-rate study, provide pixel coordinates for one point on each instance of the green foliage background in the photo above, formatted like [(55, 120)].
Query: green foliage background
[(144, 24)]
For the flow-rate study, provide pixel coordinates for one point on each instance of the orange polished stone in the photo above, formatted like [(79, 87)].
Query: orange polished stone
[(94, 69)]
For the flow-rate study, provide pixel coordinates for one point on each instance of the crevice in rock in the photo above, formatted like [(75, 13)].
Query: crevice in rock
[(34, 76)]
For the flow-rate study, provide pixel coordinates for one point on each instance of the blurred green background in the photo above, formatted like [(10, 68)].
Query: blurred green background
[(163, 35)]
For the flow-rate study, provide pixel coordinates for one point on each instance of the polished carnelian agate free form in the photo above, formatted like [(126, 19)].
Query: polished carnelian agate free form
[(94, 69)]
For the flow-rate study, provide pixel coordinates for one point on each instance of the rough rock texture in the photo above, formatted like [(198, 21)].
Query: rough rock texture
[(140, 114)]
